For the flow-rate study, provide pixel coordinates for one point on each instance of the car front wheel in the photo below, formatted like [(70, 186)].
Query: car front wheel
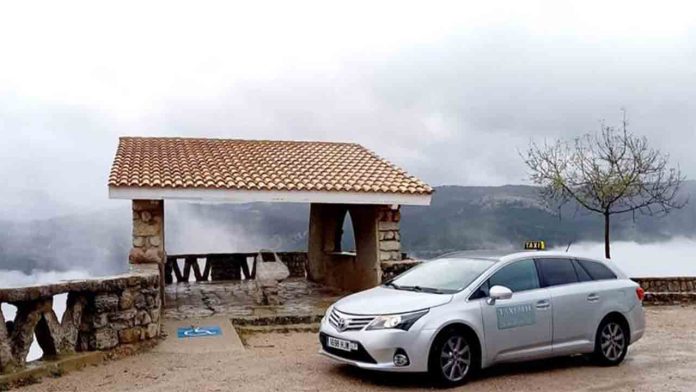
[(611, 344), (452, 359)]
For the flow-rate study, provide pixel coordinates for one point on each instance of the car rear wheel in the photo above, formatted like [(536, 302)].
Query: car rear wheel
[(611, 344), (453, 360)]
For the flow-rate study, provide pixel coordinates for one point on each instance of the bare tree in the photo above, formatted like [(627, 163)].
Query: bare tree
[(612, 172)]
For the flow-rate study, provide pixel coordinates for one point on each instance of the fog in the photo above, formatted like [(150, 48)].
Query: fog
[(97, 243), (189, 231), (450, 90), (91, 242)]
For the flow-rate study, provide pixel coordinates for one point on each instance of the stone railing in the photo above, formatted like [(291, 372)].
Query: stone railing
[(101, 314), (235, 266), (226, 266)]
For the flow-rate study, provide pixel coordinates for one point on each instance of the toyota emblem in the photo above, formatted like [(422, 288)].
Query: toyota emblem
[(341, 324)]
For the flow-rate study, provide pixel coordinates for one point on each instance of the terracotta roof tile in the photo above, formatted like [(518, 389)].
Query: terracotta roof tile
[(256, 165)]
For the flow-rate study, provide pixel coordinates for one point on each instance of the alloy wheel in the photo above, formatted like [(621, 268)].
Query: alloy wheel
[(612, 341), (455, 358)]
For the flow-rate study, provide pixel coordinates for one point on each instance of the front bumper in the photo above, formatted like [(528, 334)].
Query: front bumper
[(376, 348)]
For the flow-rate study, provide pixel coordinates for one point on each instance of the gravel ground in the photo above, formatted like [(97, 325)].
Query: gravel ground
[(664, 360)]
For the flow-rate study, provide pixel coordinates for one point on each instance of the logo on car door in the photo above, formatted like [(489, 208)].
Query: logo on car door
[(515, 316)]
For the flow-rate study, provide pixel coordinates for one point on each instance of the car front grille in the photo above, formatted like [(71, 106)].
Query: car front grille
[(348, 322)]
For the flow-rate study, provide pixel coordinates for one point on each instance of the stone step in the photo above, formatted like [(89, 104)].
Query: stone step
[(251, 329), (274, 320)]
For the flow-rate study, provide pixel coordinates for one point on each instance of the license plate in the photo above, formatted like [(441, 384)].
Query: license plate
[(341, 344)]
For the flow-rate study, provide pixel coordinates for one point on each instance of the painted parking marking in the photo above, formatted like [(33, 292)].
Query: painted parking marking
[(198, 332)]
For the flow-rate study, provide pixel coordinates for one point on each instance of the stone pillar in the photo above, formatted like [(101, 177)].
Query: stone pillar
[(148, 237), (148, 232), (389, 235), (377, 239)]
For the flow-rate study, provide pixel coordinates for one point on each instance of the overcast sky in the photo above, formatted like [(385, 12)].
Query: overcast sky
[(449, 91)]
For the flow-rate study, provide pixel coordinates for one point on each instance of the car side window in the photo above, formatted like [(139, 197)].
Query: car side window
[(583, 276), (518, 276), (596, 270), (556, 272)]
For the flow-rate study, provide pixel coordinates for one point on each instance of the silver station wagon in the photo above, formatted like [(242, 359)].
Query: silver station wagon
[(466, 311)]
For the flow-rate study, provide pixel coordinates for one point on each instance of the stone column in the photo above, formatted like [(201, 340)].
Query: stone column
[(148, 237), (148, 232), (389, 235), (377, 239)]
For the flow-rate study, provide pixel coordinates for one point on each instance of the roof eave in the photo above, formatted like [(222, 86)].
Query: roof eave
[(247, 196)]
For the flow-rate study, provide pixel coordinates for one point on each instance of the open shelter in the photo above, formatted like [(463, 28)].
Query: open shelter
[(336, 179)]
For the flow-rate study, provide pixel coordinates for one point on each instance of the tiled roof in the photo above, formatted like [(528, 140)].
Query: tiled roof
[(256, 165)]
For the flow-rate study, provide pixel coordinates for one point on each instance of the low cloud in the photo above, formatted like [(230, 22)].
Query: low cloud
[(189, 231), (451, 97)]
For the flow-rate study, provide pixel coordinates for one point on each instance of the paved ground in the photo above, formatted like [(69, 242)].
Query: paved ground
[(227, 341), (663, 361), (238, 299)]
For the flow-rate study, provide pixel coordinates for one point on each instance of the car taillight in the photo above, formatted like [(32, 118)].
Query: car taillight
[(640, 293)]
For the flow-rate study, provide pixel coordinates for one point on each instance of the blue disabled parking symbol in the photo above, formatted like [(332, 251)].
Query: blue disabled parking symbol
[(198, 332)]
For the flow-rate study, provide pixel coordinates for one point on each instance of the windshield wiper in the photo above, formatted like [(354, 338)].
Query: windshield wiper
[(394, 285), (422, 289)]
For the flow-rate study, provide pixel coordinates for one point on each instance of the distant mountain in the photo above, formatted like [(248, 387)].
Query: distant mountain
[(460, 217), (482, 217)]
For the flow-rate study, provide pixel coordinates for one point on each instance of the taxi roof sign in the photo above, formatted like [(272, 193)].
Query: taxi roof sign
[(534, 245)]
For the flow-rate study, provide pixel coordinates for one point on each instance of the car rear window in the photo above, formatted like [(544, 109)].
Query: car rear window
[(596, 270), (555, 272)]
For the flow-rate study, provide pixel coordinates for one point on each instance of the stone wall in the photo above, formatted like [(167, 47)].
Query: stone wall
[(668, 290), (389, 235), (669, 284), (126, 314), (101, 314)]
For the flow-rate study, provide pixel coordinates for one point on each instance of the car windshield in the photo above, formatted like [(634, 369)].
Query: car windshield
[(443, 276)]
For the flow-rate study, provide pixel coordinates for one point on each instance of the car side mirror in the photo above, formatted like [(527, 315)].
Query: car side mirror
[(498, 292)]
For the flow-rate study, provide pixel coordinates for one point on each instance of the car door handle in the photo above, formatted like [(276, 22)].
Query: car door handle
[(543, 304), (593, 297)]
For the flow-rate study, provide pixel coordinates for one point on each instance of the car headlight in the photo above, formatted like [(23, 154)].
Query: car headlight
[(402, 321)]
